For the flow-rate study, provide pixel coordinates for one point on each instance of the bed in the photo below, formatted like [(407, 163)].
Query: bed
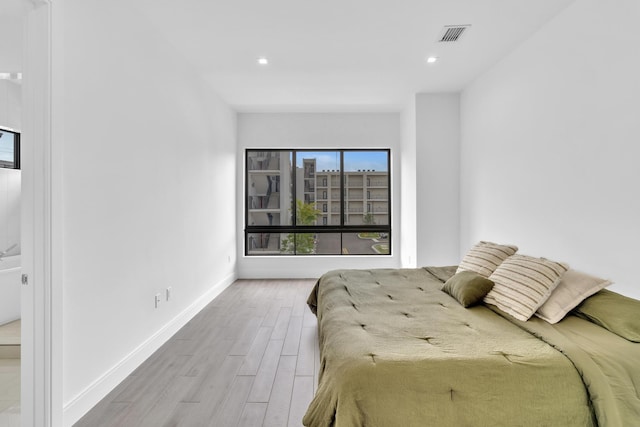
[(397, 351)]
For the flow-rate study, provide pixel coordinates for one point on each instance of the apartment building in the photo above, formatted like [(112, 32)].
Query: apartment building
[(366, 197)]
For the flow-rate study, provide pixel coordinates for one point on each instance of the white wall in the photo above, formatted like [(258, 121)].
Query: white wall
[(11, 36), (149, 195), (438, 178), (550, 144), (408, 189), (317, 130), (10, 104)]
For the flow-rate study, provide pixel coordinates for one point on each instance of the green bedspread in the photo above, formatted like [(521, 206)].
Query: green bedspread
[(397, 351)]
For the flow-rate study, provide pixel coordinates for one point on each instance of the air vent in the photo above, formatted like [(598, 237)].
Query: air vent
[(452, 33)]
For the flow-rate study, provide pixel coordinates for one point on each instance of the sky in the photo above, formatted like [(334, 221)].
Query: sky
[(353, 160)]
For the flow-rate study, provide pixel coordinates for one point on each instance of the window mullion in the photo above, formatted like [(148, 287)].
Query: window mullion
[(342, 192), (294, 195)]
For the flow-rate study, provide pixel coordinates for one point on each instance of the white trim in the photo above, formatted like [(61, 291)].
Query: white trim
[(41, 331), (79, 405)]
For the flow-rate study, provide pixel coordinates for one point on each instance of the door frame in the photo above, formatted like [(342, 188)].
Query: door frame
[(41, 308)]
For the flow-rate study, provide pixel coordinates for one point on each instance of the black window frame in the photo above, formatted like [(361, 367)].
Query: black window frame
[(341, 229), (15, 164)]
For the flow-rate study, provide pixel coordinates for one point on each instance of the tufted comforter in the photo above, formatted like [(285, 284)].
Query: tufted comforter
[(397, 351)]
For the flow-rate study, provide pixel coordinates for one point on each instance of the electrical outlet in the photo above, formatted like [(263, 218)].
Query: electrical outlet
[(168, 293), (158, 299)]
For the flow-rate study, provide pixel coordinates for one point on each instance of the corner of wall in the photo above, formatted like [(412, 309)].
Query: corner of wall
[(438, 178)]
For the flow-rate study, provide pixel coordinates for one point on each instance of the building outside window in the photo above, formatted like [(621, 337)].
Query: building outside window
[(9, 149), (286, 219)]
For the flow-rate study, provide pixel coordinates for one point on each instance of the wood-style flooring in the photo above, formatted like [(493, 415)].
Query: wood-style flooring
[(250, 358)]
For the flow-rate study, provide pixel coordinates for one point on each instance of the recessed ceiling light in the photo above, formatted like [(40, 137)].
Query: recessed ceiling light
[(263, 61), (432, 59)]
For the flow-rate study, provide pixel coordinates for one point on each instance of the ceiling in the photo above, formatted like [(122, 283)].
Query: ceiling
[(342, 54), (328, 55)]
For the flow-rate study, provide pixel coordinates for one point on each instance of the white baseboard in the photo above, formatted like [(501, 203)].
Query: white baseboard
[(77, 407)]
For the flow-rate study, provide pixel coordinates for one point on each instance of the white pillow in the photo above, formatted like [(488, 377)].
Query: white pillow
[(485, 257), (523, 283), (574, 287)]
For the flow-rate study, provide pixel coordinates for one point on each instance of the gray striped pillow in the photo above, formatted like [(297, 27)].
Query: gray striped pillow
[(523, 284), (485, 257)]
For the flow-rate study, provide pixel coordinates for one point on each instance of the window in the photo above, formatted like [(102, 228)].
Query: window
[(9, 149), (283, 215)]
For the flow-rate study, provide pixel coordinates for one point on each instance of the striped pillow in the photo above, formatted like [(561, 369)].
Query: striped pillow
[(485, 257), (523, 283)]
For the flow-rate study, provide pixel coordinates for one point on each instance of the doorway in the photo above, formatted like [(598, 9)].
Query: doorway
[(11, 32)]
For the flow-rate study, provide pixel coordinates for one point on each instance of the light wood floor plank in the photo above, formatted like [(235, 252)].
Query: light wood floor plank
[(253, 415), (300, 302), (272, 315), (302, 395), (249, 358), (278, 408), (155, 381), (105, 415), (306, 360), (164, 406), (210, 395), (254, 356), (282, 324), (266, 373), (208, 356), (215, 382), (292, 339), (245, 338), (309, 319), (316, 358), (232, 409)]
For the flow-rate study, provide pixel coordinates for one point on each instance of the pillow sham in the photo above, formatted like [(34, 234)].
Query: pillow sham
[(467, 287), (573, 288), (523, 283), (614, 312), (485, 257)]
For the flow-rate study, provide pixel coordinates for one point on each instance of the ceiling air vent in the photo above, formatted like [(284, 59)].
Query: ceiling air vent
[(452, 33)]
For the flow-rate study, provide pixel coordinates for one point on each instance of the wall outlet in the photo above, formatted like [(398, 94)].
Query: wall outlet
[(168, 292), (158, 299)]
